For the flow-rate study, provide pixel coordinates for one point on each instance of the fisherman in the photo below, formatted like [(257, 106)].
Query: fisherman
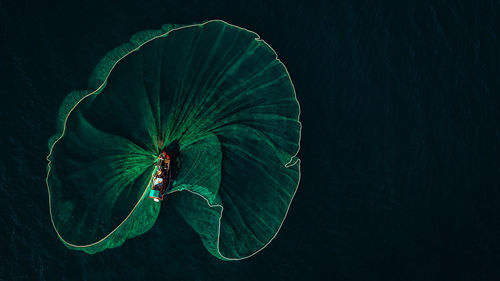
[(162, 156), (158, 179), (163, 164)]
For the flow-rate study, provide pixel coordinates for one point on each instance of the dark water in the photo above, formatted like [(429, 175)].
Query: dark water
[(400, 148)]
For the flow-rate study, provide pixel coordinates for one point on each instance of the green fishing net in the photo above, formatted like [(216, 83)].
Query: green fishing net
[(214, 91)]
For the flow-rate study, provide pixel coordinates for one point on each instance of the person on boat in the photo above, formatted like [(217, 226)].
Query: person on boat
[(158, 179), (163, 162)]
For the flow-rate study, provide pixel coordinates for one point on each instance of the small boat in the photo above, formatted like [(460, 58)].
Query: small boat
[(161, 180)]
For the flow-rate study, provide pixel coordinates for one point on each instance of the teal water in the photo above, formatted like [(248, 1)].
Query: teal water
[(400, 148)]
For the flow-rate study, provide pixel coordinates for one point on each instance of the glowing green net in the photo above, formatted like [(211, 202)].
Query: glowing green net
[(216, 91)]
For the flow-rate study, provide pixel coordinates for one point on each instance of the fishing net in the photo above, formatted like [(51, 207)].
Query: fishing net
[(219, 100)]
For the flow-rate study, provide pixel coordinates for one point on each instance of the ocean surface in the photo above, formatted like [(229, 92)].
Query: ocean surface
[(400, 144)]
